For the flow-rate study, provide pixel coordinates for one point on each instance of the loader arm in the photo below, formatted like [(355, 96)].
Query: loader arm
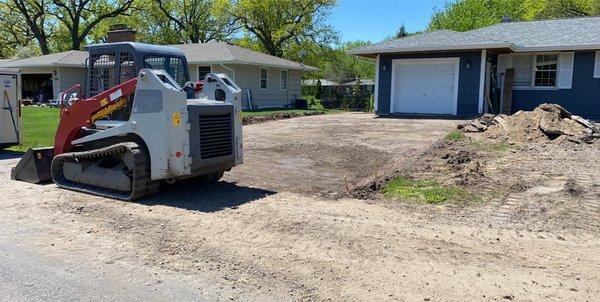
[(83, 113)]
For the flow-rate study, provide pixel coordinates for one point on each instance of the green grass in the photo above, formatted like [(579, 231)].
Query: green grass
[(423, 191), (38, 127), (269, 111), (455, 135), (39, 124), (486, 145)]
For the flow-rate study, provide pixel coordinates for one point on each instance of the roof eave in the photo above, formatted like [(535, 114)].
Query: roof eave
[(373, 52), (302, 68), (558, 48)]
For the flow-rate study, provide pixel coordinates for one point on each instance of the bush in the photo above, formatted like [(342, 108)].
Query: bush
[(314, 103)]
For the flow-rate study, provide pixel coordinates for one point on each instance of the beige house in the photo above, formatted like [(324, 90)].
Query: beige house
[(266, 81), (50, 74)]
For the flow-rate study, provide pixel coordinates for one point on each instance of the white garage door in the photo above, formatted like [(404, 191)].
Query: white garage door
[(425, 86)]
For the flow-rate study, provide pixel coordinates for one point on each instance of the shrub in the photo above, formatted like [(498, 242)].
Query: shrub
[(314, 103), (455, 135)]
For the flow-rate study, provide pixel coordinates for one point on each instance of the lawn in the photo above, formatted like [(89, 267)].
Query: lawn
[(40, 123), (421, 190), (38, 127)]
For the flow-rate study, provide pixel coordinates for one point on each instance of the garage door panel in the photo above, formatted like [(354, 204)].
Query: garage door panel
[(424, 80), (428, 95), (427, 68), (425, 87)]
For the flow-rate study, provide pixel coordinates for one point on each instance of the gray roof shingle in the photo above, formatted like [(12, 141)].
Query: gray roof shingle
[(71, 58), (561, 34), (221, 52), (206, 53)]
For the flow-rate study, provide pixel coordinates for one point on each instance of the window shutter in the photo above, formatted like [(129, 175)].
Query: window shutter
[(597, 66), (565, 72)]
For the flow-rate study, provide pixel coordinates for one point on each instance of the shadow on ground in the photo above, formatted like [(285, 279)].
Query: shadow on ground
[(205, 197)]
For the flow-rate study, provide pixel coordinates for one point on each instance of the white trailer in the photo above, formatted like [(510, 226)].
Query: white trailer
[(10, 109)]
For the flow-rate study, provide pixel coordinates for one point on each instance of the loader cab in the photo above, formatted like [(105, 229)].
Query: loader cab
[(111, 64)]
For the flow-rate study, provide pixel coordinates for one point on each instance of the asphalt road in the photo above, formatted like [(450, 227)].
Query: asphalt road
[(31, 276)]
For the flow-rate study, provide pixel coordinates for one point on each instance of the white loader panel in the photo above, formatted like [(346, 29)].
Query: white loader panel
[(10, 120), (425, 86)]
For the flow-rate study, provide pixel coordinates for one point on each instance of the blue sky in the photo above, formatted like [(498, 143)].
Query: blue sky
[(373, 20)]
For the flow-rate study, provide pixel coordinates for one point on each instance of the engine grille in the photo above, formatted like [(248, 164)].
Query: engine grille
[(215, 136)]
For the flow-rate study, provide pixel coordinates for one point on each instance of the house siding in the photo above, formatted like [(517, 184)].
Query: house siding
[(468, 86), (69, 76), (248, 78), (582, 99)]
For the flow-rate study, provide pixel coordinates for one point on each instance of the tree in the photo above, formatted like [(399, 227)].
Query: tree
[(14, 31), (278, 23), (80, 17), (33, 14), (319, 90), (150, 24), (464, 15), (200, 21), (341, 67), (402, 32), (568, 8)]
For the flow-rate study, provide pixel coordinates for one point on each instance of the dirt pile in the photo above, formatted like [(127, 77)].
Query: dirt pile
[(547, 122), (255, 119)]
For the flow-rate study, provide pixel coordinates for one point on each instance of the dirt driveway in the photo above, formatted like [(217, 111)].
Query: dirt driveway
[(321, 154), (265, 239)]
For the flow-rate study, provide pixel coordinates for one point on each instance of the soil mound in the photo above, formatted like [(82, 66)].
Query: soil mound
[(546, 123), (255, 119)]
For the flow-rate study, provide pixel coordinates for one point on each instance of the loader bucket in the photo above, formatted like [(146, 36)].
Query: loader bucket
[(34, 166)]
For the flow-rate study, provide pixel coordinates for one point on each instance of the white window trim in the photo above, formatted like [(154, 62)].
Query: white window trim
[(287, 79), (260, 78), (533, 67), (198, 70), (597, 66), (455, 60)]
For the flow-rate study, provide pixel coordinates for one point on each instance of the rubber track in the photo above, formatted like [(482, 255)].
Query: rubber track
[(142, 184)]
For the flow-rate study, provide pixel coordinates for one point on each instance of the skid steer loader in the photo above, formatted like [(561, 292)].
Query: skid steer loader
[(144, 122)]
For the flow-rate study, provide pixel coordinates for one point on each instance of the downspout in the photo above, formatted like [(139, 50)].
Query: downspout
[(228, 68)]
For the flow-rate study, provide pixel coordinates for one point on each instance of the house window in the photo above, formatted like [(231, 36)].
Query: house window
[(284, 80), (523, 73), (546, 67), (203, 71), (264, 75)]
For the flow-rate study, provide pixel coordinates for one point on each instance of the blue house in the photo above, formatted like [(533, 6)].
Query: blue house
[(506, 67)]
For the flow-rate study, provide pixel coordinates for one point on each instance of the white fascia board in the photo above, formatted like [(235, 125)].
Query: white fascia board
[(511, 46), (558, 48), (432, 48)]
